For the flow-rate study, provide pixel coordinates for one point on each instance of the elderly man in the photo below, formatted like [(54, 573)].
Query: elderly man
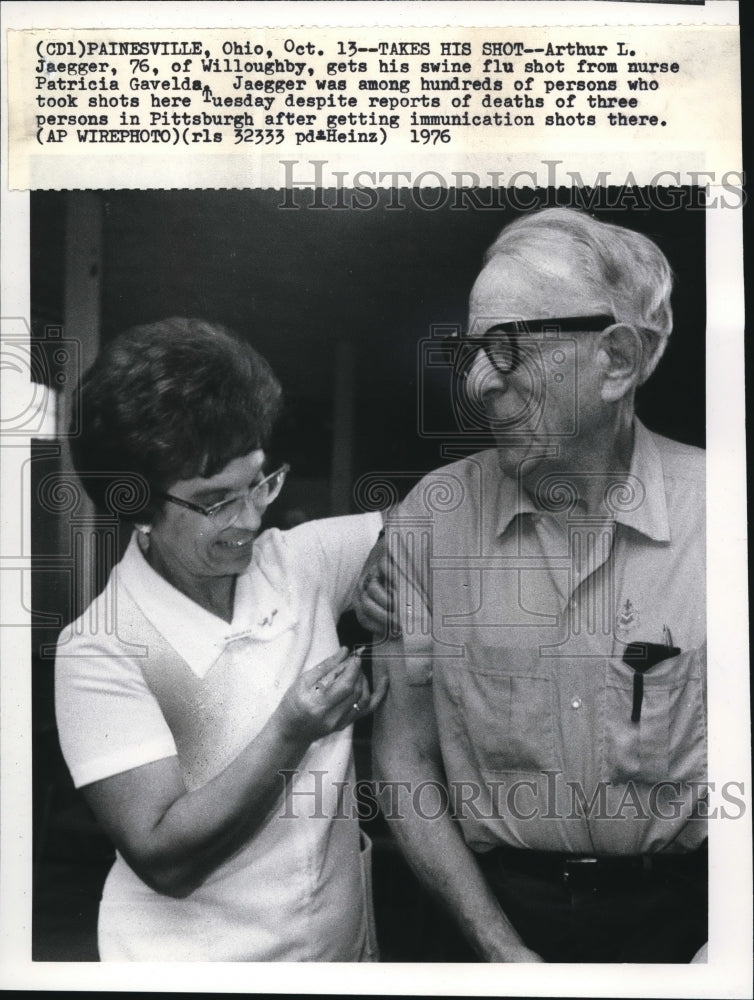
[(542, 746)]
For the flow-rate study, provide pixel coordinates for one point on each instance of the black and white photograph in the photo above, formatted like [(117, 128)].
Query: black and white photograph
[(251, 346)]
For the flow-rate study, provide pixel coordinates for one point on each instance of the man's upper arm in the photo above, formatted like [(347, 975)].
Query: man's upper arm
[(406, 719)]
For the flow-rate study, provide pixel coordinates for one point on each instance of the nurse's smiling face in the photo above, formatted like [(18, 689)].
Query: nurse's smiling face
[(186, 547)]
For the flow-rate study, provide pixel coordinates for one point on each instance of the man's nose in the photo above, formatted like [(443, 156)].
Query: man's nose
[(483, 376)]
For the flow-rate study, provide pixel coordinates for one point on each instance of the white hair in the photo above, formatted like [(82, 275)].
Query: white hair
[(626, 268)]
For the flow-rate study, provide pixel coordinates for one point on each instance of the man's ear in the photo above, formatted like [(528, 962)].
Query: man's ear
[(620, 352)]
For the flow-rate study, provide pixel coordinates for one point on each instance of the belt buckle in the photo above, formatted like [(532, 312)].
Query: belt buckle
[(580, 871)]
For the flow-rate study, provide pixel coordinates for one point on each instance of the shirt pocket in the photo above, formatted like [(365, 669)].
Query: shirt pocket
[(509, 720), (669, 742)]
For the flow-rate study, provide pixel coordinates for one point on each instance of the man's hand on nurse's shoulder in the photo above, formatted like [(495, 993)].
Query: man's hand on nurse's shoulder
[(329, 697), (375, 601)]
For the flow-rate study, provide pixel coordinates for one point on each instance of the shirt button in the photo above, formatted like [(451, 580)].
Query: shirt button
[(576, 703)]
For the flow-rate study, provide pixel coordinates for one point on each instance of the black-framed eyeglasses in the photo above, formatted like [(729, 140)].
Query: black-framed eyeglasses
[(503, 343), (227, 512)]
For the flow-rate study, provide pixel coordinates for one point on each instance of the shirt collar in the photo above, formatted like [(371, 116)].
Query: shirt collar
[(646, 508), (641, 505), (512, 501), (260, 611)]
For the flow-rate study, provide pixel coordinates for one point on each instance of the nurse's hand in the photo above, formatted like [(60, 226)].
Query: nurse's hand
[(329, 697), (174, 838), (374, 600)]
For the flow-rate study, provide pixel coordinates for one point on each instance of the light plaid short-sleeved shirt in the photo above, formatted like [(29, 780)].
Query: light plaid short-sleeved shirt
[(519, 614)]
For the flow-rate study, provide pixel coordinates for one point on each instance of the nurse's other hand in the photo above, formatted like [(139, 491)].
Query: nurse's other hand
[(374, 600), (325, 699)]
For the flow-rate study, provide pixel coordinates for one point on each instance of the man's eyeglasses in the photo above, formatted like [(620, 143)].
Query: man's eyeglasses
[(227, 512), (503, 343)]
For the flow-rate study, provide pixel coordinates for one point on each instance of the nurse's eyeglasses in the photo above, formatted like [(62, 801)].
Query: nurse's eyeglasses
[(504, 343), (226, 512)]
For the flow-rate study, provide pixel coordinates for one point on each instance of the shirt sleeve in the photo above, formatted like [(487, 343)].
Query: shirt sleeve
[(332, 552), (108, 720), (410, 546)]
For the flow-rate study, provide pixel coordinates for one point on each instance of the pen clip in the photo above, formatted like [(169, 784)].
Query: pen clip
[(641, 657)]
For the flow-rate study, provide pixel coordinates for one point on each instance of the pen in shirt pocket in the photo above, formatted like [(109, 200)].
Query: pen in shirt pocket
[(641, 657)]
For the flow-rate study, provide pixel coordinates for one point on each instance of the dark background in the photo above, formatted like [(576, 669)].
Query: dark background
[(296, 281), (300, 282)]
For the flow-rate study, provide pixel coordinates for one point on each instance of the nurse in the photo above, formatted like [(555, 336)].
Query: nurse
[(204, 705)]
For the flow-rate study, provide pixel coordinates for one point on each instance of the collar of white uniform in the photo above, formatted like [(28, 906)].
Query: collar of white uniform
[(638, 501), (260, 611)]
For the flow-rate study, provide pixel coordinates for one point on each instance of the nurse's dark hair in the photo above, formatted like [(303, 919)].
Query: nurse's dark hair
[(167, 401)]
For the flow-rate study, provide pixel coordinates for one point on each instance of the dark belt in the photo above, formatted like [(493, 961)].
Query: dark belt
[(591, 871)]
